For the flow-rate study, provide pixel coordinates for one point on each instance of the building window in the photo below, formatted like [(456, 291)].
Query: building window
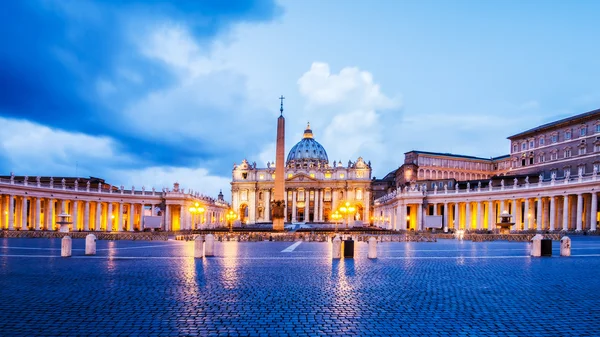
[(449, 184), (566, 171), (290, 175), (358, 194), (261, 177), (596, 167), (531, 144), (541, 141), (327, 175), (342, 176), (523, 146), (554, 156), (567, 153), (440, 184), (312, 175), (542, 158), (554, 138), (597, 128), (597, 148), (244, 175), (273, 176), (582, 131), (581, 170), (582, 150), (553, 172), (568, 134)]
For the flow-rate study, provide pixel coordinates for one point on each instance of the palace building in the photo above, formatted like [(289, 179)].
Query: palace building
[(314, 188), (93, 205), (548, 182)]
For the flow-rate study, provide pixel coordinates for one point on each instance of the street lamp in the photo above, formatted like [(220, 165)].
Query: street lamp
[(230, 216), (197, 209), (336, 216), (347, 209)]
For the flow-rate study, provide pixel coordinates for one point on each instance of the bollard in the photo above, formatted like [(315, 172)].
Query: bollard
[(199, 247), (536, 246), (209, 245), (90, 244), (65, 248), (565, 246), (336, 248), (372, 248)]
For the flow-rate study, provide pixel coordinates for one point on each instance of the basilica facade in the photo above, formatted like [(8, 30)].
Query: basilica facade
[(314, 188)]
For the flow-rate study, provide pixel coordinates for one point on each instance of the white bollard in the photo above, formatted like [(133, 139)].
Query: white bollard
[(372, 248), (536, 246), (565, 246), (199, 247), (336, 248), (65, 248), (90, 244), (209, 245)]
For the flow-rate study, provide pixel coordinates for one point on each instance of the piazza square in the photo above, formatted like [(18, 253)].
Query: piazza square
[(283, 168)]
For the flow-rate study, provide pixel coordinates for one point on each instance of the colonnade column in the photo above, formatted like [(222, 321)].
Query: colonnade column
[(479, 215), (515, 214), (75, 214), (167, 217), (131, 217), (579, 211), (445, 217), (86, 217), (109, 217), (594, 211), (552, 212), (467, 215), (11, 212), (38, 206), (526, 218), (120, 218), (24, 214), (321, 201), (565, 222), (293, 206), (538, 218), (456, 216), (419, 225), (98, 216)]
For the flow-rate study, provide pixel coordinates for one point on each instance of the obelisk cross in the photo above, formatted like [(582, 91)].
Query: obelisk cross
[(281, 109)]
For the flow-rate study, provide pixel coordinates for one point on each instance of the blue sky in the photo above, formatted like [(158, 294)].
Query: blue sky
[(153, 92)]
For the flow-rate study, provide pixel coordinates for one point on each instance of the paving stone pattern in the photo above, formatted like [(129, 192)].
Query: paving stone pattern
[(447, 288)]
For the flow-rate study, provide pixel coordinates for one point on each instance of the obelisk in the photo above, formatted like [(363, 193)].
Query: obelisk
[(278, 205)]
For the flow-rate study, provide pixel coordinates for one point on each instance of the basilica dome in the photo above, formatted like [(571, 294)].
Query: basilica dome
[(307, 153)]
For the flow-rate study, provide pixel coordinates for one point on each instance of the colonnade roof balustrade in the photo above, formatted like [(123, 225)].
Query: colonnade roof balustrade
[(551, 186)]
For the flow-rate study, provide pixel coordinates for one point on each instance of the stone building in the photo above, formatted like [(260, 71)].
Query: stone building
[(548, 182), (314, 188), (94, 205)]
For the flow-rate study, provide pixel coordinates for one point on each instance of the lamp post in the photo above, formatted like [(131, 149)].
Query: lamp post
[(336, 216), (230, 216), (197, 209), (347, 209)]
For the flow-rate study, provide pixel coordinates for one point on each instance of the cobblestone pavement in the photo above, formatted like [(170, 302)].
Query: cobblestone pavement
[(448, 288)]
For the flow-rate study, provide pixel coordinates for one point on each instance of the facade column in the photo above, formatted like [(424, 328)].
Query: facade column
[(479, 215), (37, 220), (445, 217), (52, 212), (152, 210), (456, 224), (316, 205), (579, 211), (2, 212), (565, 222), (594, 211), (293, 206), (435, 212), (321, 198), (131, 217), (538, 218), (109, 218), (367, 209), (546, 213), (251, 208), (11, 212), (268, 205), (552, 212), (75, 217), (24, 214), (526, 217), (98, 216), (86, 217), (120, 218), (468, 215)]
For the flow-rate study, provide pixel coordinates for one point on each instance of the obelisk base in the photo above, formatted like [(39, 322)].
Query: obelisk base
[(278, 209)]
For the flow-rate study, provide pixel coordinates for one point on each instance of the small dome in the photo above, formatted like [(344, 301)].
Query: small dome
[(307, 152)]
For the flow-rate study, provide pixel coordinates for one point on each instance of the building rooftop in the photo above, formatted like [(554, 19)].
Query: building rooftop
[(559, 122), (449, 155)]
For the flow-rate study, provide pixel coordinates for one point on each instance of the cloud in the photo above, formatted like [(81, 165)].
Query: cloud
[(349, 112)]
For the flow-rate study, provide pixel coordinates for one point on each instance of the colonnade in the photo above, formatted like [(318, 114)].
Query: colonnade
[(567, 210)]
